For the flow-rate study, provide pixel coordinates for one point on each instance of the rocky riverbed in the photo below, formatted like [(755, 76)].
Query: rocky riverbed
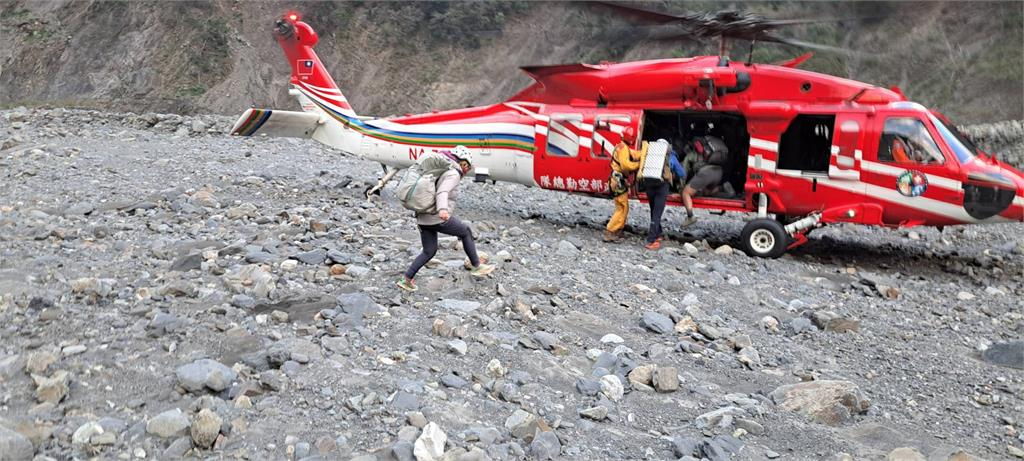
[(167, 291)]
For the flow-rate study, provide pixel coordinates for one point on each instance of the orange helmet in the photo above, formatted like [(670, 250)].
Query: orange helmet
[(629, 135)]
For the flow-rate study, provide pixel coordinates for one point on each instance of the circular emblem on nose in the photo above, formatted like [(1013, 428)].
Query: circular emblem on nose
[(912, 183)]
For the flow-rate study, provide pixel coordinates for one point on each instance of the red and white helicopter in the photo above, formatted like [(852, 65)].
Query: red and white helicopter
[(808, 149)]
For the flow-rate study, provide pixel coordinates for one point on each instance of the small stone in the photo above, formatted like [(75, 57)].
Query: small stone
[(430, 444), (666, 379), (611, 339), (749, 425), (178, 448), (1008, 354), (964, 296), (723, 250), (52, 389), (685, 325), (313, 258), (205, 373), (521, 424), (597, 413), (642, 374), (84, 434), (416, 419), (611, 387), (39, 361), (289, 265), (337, 269), (495, 369), (205, 428), (171, 423), (546, 446), (770, 324), (458, 346), (656, 322)]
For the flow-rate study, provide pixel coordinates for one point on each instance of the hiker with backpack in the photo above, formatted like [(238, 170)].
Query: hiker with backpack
[(430, 188), (657, 174)]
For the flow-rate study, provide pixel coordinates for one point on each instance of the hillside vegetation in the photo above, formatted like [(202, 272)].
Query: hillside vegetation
[(965, 59)]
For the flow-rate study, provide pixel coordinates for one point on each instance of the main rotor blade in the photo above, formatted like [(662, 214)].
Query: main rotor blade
[(644, 15), (814, 46)]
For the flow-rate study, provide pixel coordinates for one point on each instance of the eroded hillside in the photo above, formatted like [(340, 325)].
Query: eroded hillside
[(392, 57)]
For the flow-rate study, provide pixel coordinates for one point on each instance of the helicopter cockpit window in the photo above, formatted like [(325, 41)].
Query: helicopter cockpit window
[(563, 137), (906, 140)]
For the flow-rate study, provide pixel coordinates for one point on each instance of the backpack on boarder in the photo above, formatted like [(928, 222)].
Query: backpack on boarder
[(417, 191), (712, 149), (652, 169)]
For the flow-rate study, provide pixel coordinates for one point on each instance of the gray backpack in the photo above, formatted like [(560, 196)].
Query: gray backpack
[(417, 191)]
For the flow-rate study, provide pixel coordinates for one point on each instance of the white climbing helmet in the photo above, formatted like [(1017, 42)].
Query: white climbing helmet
[(461, 152)]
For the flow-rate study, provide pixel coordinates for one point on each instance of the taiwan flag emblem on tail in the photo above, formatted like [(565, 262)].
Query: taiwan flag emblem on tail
[(305, 67)]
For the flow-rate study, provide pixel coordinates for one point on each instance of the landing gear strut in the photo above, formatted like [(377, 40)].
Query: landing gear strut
[(389, 173)]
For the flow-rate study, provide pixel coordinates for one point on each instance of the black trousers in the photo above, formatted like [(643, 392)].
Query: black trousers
[(657, 196), (428, 236)]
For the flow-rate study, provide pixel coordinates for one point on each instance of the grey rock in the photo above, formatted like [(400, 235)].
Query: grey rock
[(597, 413), (205, 374), (357, 271), (827, 402), (14, 446), (453, 381), (402, 451), (178, 448), (798, 325), (546, 446), (205, 428), (1008, 354), (685, 446), (359, 304), (191, 261), (567, 250), (458, 346), (458, 305), (658, 323), (545, 340), (313, 258), (171, 423), (242, 301), (405, 401), (521, 424), (665, 379), (588, 387), (338, 257)]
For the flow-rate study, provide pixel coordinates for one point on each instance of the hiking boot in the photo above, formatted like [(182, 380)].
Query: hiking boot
[(469, 265), (689, 221), (611, 237), (406, 284), (654, 246), (482, 270)]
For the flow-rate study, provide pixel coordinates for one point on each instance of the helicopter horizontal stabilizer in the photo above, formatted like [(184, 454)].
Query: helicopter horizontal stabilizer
[(277, 123)]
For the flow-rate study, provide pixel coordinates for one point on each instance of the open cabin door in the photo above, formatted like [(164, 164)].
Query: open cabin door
[(847, 147), (575, 151)]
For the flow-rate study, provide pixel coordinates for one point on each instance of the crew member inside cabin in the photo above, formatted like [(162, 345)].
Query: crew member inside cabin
[(707, 159), (625, 161)]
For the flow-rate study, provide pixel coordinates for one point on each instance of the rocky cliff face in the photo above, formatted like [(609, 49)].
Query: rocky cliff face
[(391, 58)]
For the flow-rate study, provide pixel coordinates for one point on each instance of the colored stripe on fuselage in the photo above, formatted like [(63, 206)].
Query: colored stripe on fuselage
[(505, 140)]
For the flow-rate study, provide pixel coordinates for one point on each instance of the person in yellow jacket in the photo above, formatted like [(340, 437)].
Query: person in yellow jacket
[(625, 161)]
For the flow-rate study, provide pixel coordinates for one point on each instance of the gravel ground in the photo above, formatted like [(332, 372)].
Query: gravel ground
[(168, 291)]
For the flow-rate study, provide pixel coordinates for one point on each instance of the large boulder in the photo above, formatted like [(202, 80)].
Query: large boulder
[(828, 402)]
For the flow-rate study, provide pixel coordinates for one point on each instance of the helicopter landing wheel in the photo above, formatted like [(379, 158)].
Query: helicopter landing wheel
[(764, 238)]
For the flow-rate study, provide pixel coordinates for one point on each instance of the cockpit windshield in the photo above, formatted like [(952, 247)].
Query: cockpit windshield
[(964, 149)]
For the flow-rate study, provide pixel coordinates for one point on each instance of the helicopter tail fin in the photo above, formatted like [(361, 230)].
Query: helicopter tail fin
[(316, 89)]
